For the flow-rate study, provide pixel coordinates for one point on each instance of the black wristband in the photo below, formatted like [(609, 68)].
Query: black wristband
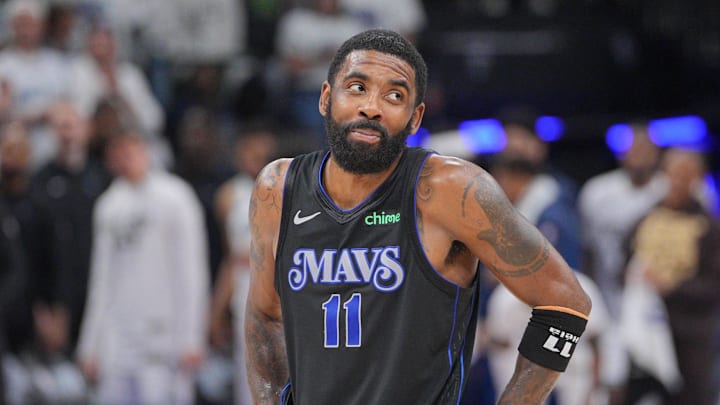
[(550, 338)]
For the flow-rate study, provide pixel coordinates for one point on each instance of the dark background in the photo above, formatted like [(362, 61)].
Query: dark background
[(593, 63)]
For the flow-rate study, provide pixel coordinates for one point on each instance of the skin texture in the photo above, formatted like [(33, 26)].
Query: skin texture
[(463, 216)]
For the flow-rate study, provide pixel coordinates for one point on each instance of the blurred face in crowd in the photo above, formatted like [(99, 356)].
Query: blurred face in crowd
[(253, 151), (127, 157), (522, 144), (327, 6), (14, 150), (684, 170), (370, 111), (28, 29), (642, 159), (101, 45), (70, 128)]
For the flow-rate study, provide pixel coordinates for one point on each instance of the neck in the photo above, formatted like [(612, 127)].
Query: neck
[(346, 189)]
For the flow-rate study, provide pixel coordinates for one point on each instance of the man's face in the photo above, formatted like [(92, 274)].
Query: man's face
[(127, 158), (370, 111)]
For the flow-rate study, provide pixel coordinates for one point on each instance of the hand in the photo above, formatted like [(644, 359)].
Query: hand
[(51, 326), (662, 285), (191, 361), (89, 369)]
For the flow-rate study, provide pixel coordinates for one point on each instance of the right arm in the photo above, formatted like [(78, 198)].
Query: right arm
[(264, 332)]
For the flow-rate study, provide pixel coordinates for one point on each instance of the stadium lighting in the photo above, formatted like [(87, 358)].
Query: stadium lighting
[(483, 135)]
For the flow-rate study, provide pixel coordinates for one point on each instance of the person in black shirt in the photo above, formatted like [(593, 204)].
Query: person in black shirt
[(364, 257), (67, 187)]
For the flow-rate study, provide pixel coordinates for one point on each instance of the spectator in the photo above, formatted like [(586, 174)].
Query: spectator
[(39, 370), (35, 230), (32, 77), (143, 333), (611, 203), (522, 142), (98, 74), (68, 187), (63, 29), (307, 38), (11, 274), (254, 148), (539, 198), (203, 164), (404, 16), (676, 249)]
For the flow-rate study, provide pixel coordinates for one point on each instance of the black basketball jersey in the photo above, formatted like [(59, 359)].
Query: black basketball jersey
[(367, 319)]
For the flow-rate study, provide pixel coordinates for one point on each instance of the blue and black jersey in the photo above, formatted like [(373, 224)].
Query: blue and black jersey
[(367, 319)]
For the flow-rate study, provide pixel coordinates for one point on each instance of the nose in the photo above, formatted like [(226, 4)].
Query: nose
[(370, 108)]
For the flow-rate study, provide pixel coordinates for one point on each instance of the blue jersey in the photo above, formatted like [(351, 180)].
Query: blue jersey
[(368, 320)]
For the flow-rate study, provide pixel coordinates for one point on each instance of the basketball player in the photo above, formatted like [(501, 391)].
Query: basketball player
[(364, 257)]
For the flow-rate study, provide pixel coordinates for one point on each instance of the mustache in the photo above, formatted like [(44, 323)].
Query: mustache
[(365, 124)]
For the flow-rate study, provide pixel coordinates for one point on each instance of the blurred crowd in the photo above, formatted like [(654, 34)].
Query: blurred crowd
[(131, 133)]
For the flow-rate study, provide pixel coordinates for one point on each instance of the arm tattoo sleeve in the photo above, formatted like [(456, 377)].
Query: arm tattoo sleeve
[(517, 242), (266, 357), (531, 384)]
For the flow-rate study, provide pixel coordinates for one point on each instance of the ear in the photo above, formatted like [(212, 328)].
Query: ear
[(324, 97), (417, 117)]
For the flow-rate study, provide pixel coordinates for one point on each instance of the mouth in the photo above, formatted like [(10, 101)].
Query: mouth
[(365, 135)]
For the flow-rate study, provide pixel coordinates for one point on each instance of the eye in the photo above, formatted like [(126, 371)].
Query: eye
[(356, 88), (395, 96)]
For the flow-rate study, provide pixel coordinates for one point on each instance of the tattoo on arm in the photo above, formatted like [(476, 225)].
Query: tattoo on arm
[(464, 198), (257, 250), (424, 188), (267, 362), (264, 197), (515, 240), (530, 384)]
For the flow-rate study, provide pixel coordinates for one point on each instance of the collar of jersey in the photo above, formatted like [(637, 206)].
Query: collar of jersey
[(380, 194)]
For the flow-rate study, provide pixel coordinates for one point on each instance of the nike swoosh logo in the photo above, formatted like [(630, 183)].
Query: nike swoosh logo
[(297, 220)]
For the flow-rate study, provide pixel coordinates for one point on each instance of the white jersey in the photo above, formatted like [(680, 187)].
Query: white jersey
[(149, 284), (610, 206)]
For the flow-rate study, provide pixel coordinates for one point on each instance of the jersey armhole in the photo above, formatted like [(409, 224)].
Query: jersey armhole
[(288, 183)]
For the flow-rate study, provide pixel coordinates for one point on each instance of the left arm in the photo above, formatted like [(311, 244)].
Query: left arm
[(460, 202), (191, 277)]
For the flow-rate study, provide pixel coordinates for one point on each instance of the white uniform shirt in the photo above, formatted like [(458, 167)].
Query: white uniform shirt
[(315, 37), (149, 285), (88, 86), (610, 206), (37, 80)]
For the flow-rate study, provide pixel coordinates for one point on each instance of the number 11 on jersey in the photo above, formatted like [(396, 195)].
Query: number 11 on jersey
[(353, 326)]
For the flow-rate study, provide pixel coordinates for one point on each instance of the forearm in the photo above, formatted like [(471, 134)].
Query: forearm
[(266, 358), (530, 384)]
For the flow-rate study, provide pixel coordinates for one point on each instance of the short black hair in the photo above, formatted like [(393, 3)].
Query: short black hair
[(385, 41)]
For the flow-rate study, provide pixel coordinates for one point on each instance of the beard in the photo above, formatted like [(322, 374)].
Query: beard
[(360, 157)]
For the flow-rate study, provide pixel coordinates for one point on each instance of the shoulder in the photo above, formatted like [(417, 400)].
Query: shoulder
[(108, 198), (448, 169), (170, 190), (272, 176), (599, 185), (451, 177), (602, 180)]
